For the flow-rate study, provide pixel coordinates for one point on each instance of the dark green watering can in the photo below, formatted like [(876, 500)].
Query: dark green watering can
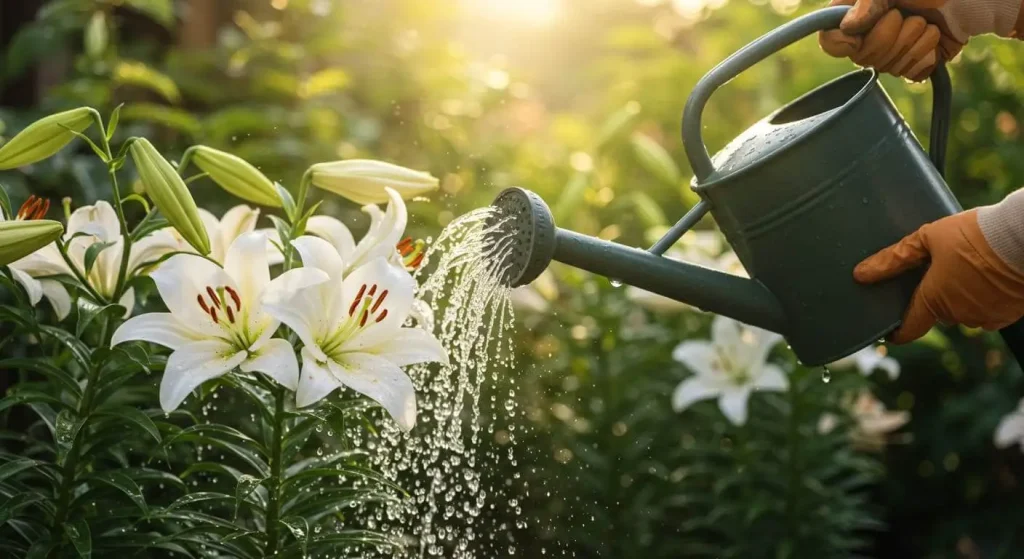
[(802, 197)]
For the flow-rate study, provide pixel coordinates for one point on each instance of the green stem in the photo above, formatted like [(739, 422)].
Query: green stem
[(67, 476), (62, 249), (274, 482), (126, 250)]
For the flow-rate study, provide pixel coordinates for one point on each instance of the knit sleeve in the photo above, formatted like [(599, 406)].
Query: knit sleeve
[(1003, 227)]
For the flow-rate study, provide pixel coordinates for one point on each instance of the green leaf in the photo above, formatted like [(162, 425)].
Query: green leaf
[(92, 253), (149, 226), (170, 117), (653, 157), (199, 497), (5, 203), (18, 501), (129, 72), (162, 11), (78, 350), (89, 312), (92, 145), (133, 416), (126, 485), (299, 529), (44, 367), (78, 533), (288, 203), (243, 488), (66, 428), (13, 467), (115, 118), (649, 210), (96, 35)]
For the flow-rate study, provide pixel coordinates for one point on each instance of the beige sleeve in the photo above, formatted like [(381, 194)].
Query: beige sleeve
[(1003, 227), (967, 18)]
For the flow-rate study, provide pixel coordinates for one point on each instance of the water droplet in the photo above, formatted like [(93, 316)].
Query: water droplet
[(826, 375), (615, 282)]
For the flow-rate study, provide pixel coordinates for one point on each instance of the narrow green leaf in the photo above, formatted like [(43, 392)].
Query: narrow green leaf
[(126, 485), (13, 467), (137, 198), (299, 529), (78, 350), (45, 368), (115, 118), (10, 507), (92, 145), (243, 488), (653, 157), (286, 200), (200, 497), (5, 203), (133, 416), (89, 312), (92, 253), (78, 533), (66, 428)]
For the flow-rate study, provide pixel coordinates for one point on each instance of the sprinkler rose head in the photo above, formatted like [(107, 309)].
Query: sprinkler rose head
[(523, 232)]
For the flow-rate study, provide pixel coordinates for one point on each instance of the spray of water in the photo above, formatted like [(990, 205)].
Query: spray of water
[(453, 509)]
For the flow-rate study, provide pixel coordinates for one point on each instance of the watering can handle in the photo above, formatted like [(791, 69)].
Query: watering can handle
[(772, 42)]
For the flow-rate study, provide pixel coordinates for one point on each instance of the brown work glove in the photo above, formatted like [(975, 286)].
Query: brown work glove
[(975, 273), (909, 37)]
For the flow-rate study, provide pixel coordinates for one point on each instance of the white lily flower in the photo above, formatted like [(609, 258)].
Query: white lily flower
[(381, 240), (728, 367), (351, 328), (216, 321), (1011, 428), (222, 232), (87, 226), (873, 421), (869, 360)]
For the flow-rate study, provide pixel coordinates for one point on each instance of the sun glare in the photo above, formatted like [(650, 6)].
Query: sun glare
[(532, 12)]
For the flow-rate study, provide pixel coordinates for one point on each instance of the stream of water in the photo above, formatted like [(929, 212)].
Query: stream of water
[(465, 431)]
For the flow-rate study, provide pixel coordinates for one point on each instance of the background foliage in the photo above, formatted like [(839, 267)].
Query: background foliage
[(582, 105)]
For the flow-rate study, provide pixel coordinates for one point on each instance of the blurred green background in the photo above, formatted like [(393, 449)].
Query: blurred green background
[(578, 100)]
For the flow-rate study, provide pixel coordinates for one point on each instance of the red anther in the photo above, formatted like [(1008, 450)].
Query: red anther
[(213, 314), (231, 315), (383, 295), (362, 319), (202, 304), (213, 296), (355, 302), (404, 245), (382, 315), (372, 291), (26, 209), (41, 212), (234, 297), (417, 261)]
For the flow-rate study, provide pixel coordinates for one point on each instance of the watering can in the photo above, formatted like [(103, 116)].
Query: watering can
[(802, 197)]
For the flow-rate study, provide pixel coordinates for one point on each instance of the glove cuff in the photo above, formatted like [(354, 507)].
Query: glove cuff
[(968, 18), (1002, 225)]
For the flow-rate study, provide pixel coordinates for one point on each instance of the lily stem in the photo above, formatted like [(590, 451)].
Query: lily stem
[(68, 471), (126, 250), (274, 482)]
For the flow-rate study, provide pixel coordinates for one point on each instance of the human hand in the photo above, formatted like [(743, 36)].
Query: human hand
[(966, 281)]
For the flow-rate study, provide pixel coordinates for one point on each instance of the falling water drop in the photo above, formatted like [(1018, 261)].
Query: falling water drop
[(615, 282), (826, 375)]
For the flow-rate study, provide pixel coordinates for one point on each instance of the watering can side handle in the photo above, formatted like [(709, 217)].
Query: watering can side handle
[(765, 46)]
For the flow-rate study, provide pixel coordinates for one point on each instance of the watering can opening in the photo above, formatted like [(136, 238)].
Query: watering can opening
[(825, 99)]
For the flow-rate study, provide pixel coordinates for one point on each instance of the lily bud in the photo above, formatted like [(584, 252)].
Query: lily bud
[(363, 180), (236, 175), (19, 239), (44, 137), (165, 187)]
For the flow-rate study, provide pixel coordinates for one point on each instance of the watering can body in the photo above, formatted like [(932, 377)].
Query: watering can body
[(802, 197), (813, 189)]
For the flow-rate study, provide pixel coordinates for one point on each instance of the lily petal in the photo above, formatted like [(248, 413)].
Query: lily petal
[(127, 301), (772, 378), (1010, 430), (410, 346), (693, 389), (400, 287), (290, 299), (149, 249), (246, 263), (236, 222), (320, 254), (333, 231), (57, 294), (159, 328), (33, 287), (380, 380), (384, 233), (99, 220), (698, 356), (733, 404), (315, 383), (276, 359), (181, 280), (192, 365)]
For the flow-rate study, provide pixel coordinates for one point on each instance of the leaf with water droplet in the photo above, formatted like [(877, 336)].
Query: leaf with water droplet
[(299, 529), (15, 466), (66, 428), (126, 485), (245, 486), (78, 533)]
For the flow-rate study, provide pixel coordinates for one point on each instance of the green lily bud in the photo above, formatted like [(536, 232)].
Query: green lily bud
[(44, 137), (363, 180), (165, 187), (19, 239), (234, 174)]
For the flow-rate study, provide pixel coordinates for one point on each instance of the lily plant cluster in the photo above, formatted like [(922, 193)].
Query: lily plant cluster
[(298, 306)]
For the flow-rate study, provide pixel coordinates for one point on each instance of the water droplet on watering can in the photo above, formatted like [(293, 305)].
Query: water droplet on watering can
[(615, 282), (826, 375)]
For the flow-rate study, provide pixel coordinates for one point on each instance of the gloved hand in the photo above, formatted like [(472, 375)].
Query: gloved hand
[(975, 270), (877, 34)]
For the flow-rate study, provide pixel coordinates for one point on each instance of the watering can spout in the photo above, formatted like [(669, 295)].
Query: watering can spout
[(523, 233)]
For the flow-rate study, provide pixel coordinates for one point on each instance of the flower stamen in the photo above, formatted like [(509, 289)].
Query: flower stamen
[(33, 208), (355, 302), (412, 252)]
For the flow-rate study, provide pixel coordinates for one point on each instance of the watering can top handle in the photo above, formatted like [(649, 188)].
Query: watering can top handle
[(772, 42)]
